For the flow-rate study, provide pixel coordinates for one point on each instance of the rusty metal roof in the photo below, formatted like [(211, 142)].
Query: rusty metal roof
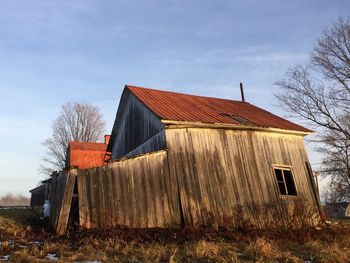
[(184, 107), (86, 155), (87, 146)]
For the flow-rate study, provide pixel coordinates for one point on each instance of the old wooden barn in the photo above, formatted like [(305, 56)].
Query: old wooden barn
[(183, 160), (38, 195)]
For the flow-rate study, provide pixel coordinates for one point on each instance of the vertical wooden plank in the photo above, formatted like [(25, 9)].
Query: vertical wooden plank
[(97, 201), (127, 194), (143, 177), (155, 178), (59, 184), (88, 197), (149, 196), (172, 193), (81, 201), (63, 217), (86, 193), (92, 197), (102, 197), (110, 198), (132, 197), (118, 193)]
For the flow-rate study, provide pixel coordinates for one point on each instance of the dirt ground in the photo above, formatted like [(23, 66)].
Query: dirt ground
[(24, 239)]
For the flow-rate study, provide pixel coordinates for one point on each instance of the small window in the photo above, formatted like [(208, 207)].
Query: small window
[(285, 181)]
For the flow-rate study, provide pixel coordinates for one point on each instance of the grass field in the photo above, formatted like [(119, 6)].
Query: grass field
[(23, 239)]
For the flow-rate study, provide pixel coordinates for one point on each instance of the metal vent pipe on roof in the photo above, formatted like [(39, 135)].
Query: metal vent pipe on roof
[(242, 91)]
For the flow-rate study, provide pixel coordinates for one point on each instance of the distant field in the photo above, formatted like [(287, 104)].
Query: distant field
[(14, 200), (23, 239)]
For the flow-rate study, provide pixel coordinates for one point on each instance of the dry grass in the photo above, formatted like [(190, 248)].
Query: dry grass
[(19, 228)]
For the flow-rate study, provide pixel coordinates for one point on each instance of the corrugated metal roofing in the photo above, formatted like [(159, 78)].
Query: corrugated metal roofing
[(87, 146), (184, 107), (86, 155)]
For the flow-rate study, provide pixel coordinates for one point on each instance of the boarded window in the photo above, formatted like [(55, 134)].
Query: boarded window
[(285, 181)]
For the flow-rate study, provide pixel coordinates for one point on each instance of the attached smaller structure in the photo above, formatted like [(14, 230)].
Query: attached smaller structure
[(84, 155), (38, 196), (40, 193), (340, 209)]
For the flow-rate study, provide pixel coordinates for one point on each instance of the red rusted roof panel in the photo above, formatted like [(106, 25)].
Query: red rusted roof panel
[(86, 155), (88, 146), (183, 107)]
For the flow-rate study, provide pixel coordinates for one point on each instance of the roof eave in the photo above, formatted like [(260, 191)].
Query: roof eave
[(36, 188), (172, 124)]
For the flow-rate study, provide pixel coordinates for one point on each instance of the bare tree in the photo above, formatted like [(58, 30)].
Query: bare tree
[(76, 122), (319, 93), (336, 163)]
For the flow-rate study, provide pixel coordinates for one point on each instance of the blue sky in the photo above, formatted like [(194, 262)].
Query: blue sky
[(53, 52)]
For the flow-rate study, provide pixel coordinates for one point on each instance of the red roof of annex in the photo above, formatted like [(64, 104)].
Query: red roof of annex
[(86, 155), (87, 146), (184, 107)]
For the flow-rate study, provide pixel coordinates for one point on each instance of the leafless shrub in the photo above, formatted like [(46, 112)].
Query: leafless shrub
[(294, 215)]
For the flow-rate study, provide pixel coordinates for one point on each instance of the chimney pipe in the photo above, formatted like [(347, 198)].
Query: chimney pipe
[(107, 137), (242, 91)]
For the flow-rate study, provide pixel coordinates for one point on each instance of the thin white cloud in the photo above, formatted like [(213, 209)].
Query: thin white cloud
[(273, 57)]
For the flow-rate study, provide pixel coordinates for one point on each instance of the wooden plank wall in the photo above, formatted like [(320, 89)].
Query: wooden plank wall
[(38, 196), (206, 177), (58, 185), (137, 192), (136, 129), (63, 213), (226, 176)]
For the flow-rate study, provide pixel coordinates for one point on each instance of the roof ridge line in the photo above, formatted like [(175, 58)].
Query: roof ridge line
[(186, 94)]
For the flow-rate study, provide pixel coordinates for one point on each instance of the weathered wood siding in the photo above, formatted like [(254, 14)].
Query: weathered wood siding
[(226, 176), (65, 208), (38, 196), (58, 186), (136, 192), (205, 177), (136, 129)]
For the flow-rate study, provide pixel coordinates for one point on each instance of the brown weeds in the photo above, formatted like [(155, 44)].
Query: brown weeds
[(328, 243)]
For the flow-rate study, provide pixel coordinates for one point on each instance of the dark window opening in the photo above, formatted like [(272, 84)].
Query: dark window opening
[(74, 208), (285, 181)]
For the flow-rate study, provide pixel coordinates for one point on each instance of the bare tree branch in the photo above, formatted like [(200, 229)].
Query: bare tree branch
[(319, 93), (76, 122)]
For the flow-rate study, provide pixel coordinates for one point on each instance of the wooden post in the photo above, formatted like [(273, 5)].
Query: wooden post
[(315, 174), (64, 211), (315, 190)]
